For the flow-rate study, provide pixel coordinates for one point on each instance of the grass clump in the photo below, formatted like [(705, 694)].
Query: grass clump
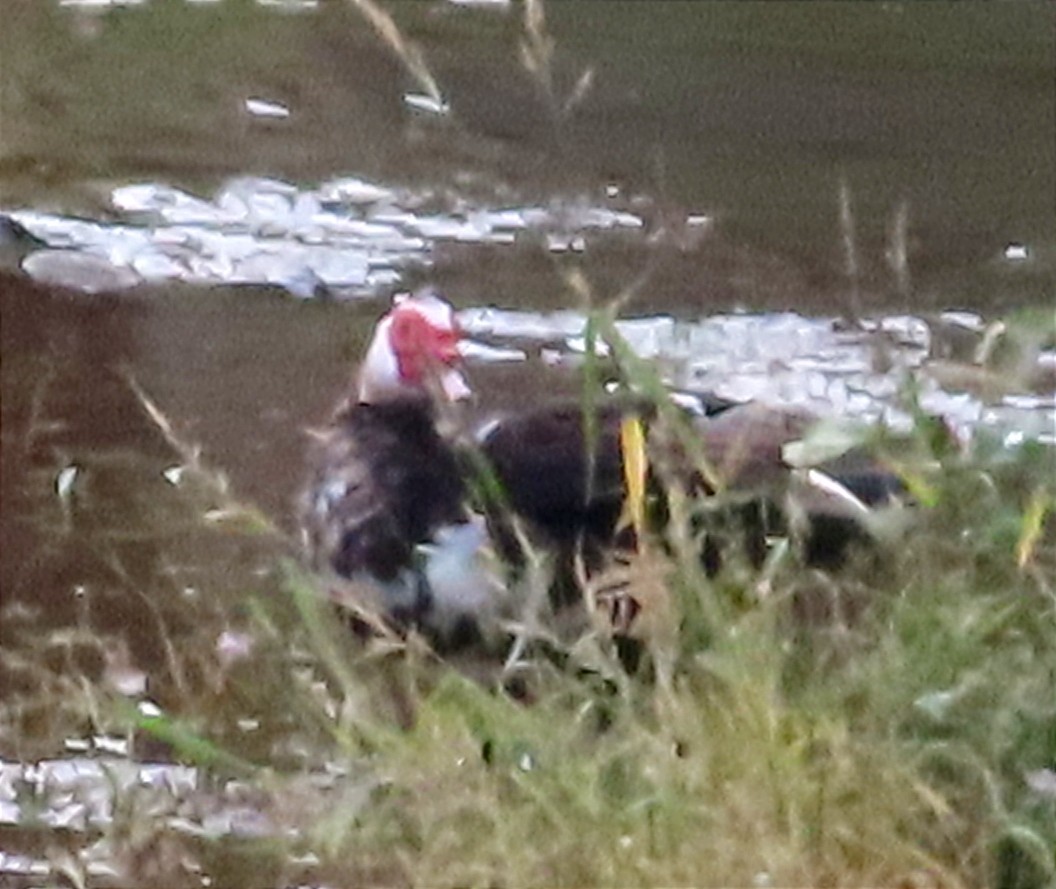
[(903, 735), (893, 723)]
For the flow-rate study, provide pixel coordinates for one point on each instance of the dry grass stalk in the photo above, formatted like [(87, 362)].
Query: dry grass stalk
[(408, 52), (537, 57)]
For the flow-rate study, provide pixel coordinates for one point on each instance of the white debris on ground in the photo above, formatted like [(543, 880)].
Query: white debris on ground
[(349, 238), (346, 238), (784, 359), (81, 796)]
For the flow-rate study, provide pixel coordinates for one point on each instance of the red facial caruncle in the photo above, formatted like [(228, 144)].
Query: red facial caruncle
[(423, 335)]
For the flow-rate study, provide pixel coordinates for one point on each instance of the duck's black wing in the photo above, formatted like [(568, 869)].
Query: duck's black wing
[(558, 470)]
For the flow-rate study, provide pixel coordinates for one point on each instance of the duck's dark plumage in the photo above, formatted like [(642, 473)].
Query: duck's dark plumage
[(574, 494), (562, 467), (551, 477), (383, 482)]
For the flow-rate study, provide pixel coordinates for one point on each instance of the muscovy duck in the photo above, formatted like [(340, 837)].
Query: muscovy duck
[(565, 476), (385, 486), (831, 506)]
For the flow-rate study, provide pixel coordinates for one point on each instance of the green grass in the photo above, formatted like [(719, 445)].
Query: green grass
[(887, 749), (880, 726)]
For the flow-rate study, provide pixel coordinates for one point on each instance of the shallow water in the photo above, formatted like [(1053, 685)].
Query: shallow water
[(229, 258)]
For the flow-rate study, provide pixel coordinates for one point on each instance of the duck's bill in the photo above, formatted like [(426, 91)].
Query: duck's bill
[(454, 385)]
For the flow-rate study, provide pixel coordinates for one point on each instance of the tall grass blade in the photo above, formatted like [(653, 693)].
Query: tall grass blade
[(632, 449), (1031, 527)]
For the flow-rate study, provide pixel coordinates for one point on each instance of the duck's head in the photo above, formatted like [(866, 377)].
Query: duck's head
[(414, 352)]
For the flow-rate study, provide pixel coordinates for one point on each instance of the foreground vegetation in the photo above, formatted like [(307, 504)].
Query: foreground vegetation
[(895, 725), (890, 724)]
